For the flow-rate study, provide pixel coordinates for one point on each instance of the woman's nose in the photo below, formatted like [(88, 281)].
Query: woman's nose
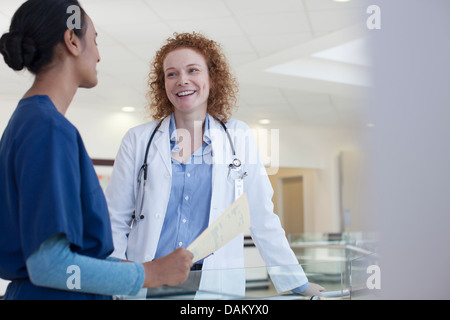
[(183, 79)]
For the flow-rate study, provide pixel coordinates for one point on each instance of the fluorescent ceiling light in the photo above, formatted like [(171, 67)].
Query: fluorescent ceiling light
[(332, 72), (346, 63), (353, 52)]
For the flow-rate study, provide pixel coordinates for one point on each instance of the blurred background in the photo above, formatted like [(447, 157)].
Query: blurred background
[(302, 66), (359, 117)]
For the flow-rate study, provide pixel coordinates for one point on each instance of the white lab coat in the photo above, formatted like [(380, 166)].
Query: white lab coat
[(139, 243)]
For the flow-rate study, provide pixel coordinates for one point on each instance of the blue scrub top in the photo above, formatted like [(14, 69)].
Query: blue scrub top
[(48, 185)]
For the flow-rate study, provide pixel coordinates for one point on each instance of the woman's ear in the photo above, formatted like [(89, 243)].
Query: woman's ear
[(72, 42)]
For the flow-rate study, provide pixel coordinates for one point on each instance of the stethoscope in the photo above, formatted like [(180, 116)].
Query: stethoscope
[(234, 170)]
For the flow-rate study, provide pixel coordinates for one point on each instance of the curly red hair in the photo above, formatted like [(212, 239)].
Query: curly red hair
[(224, 90)]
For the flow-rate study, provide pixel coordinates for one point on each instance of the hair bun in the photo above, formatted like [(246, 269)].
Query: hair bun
[(18, 51)]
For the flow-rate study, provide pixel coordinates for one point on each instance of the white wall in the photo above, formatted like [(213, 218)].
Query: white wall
[(102, 130), (318, 148), (7, 106)]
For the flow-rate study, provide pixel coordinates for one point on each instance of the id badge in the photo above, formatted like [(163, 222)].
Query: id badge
[(238, 188)]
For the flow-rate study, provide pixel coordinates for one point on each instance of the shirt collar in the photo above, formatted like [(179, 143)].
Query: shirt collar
[(173, 133)]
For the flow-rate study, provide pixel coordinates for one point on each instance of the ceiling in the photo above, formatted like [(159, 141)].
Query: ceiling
[(298, 62)]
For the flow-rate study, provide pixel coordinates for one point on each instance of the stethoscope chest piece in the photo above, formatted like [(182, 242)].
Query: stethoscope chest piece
[(235, 164)]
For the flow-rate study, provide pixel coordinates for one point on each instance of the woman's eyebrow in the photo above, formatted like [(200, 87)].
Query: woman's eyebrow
[(189, 65)]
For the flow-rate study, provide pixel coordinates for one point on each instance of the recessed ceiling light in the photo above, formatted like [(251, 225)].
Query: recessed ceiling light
[(128, 109), (264, 121), (341, 0)]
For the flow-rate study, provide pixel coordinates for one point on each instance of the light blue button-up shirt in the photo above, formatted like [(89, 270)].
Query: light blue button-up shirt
[(190, 196)]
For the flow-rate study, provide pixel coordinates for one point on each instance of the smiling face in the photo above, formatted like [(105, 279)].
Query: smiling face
[(187, 80)]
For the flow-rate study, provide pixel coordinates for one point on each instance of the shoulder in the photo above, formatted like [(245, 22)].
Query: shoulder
[(37, 118), (40, 134), (238, 129), (234, 124), (237, 124)]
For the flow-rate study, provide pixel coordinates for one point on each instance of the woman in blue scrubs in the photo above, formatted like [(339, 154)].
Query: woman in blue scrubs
[(55, 232)]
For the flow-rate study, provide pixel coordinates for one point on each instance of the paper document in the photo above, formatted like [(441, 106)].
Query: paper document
[(234, 221)]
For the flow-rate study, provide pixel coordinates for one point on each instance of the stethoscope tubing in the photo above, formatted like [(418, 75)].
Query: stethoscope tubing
[(235, 164)]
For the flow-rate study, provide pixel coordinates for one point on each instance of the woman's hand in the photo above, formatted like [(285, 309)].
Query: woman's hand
[(170, 270), (313, 290)]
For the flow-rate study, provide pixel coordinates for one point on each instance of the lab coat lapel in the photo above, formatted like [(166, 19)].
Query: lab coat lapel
[(162, 144), (219, 172), (218, 136)]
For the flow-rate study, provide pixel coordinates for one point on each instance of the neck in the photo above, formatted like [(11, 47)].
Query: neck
[(56, 83), (192, 122)]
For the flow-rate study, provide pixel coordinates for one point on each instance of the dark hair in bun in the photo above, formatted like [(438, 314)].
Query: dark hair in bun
[(36, 28)]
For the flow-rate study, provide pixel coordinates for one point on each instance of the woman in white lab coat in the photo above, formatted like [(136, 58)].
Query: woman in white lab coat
[(191, 173)]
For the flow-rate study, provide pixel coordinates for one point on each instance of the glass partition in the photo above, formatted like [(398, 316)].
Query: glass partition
[(208, 284), (344, 264), (356, 252)]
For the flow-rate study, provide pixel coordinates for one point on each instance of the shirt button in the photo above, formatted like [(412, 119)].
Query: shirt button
[(184, 220), (188, 175), (186, 198), (180, 244)]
